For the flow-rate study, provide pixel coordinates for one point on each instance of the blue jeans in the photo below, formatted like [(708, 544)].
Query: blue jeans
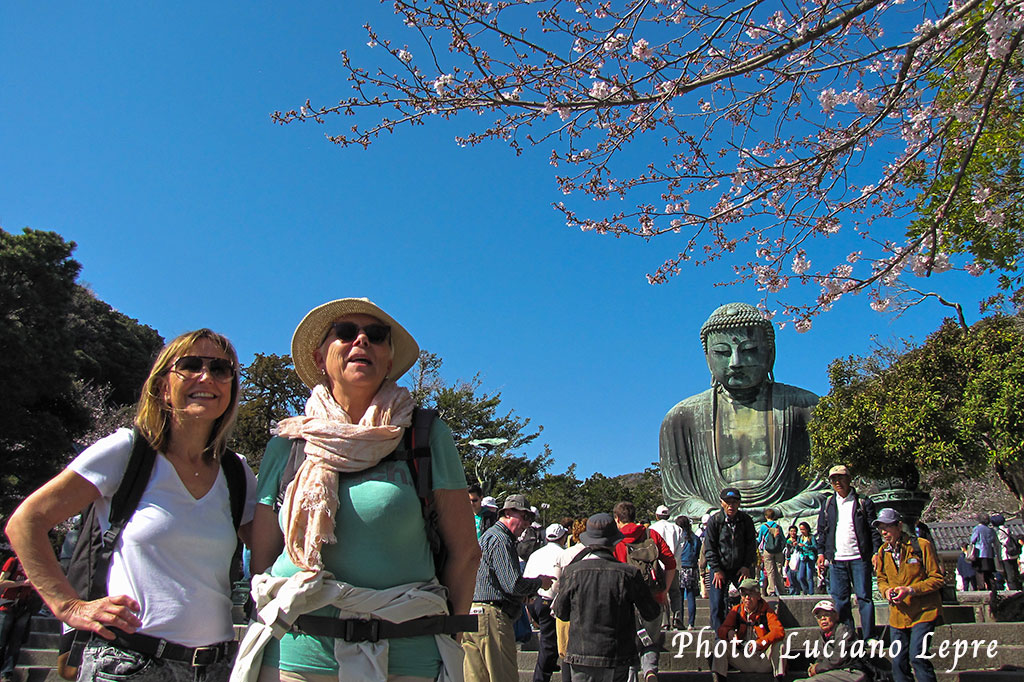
[(587, 673), (911, 640), (690, 596), (858, 572), (805, 575), (794, 581), (717, 598), (102, 662)]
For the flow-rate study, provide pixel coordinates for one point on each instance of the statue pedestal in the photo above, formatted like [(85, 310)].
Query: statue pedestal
[(909, 503)]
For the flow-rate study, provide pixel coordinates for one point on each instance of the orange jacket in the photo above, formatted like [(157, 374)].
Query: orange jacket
[(764, 621), (919, 571)]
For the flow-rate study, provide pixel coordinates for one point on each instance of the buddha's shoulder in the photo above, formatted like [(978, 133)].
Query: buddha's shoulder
[(794, 395), (695, 403)]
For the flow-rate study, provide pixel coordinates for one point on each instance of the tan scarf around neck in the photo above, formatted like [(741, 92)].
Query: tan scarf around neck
[(334, 444)]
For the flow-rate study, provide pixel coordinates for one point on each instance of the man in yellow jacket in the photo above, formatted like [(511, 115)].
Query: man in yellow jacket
[(910, 578)]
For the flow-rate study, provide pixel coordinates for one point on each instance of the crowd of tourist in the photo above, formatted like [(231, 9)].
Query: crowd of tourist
[(372, 558)]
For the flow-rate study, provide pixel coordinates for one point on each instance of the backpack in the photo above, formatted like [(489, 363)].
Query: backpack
[(415, 451), (1010, 543), (644, 555), (529, 541), (774, 542), (89, 565)]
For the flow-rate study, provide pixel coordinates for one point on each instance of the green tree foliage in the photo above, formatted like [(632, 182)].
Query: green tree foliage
[(111, 349), (952, 404), (39, 419), (499, 469), (271, 391), (969, 204), (60, 348)]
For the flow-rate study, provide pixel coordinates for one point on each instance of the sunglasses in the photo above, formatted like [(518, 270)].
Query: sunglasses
[(348, 331), (191, 366)]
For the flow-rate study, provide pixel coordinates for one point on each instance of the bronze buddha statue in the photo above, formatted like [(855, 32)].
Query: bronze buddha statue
[(747, 431)]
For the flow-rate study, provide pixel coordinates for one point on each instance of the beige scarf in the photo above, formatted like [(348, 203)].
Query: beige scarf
[(334, 444)]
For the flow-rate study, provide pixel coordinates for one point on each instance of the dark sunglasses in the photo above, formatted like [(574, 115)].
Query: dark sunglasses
[(191, 366), (348, 331)]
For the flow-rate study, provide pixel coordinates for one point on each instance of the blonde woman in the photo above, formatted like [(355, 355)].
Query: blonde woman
[(167, 613)]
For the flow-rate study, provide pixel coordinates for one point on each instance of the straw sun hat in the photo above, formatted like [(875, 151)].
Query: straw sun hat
[(314, 326)]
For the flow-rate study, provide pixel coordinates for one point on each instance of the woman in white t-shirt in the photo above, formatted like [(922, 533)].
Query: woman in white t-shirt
[(167, 615)]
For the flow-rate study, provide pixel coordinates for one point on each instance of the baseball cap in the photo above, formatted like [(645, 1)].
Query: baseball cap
[(555, 531), (661, 512), (838, 470), (887, 516), (750, 585), (824, 605), (729, 494), (489, 502)]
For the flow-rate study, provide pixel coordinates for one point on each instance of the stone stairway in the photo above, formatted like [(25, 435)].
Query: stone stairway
[(966, 622), (956, 659)]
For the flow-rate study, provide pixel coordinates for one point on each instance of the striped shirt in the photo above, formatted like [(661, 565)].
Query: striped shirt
[(499, 578)]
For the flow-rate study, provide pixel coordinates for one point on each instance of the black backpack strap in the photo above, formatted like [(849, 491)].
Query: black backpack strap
[(122, 505), (416, 453), (296, 456), (234, 474)]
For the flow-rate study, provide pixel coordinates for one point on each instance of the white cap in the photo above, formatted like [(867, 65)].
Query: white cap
[(824, 605), (489, 502), (661, 512), (555, 531)]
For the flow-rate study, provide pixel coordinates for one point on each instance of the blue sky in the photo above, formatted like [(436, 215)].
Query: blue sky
[(142, 132)]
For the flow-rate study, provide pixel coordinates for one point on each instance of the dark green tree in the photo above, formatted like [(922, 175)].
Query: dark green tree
[(501, 467), (37, 360), (111, 349), (951, 404), (271, 391), (65, 359), (563, 493)]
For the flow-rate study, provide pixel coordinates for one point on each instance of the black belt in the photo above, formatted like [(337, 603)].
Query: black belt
[(155, 647), (374, 629)]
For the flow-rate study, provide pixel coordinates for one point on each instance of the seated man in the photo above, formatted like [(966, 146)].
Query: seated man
[(834, 662), (754, 636)]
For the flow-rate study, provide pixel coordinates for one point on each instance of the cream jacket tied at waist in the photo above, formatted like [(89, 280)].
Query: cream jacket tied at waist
[(280, 601)]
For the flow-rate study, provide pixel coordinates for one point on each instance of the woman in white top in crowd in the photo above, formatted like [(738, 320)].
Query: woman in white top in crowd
[(169, 592)]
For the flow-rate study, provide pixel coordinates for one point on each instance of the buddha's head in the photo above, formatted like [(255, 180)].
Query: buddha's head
[(739, 345)]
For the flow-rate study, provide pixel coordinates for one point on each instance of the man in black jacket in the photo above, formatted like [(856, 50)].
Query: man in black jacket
[(597, 595), (730, 550), (847, 538)]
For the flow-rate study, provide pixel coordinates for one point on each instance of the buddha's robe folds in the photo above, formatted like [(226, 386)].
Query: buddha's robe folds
[(691, 472)]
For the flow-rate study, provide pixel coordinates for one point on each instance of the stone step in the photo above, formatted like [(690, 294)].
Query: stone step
[(796, 611), (43, 640), (47, 623), (679, 676), (37, 658), (1007, 650)]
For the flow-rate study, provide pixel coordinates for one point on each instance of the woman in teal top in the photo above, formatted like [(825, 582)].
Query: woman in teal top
[(350, 352), (808, 556)]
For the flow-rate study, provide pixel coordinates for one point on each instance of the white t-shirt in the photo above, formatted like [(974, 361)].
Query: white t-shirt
[(846, 536), (671, 534), (174, 554), (544, 561)]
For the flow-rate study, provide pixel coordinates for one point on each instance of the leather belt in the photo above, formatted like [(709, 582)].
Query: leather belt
[(375, 629), (155, 647)]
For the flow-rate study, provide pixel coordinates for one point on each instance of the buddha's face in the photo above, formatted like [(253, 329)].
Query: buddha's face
[(739, 358)]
